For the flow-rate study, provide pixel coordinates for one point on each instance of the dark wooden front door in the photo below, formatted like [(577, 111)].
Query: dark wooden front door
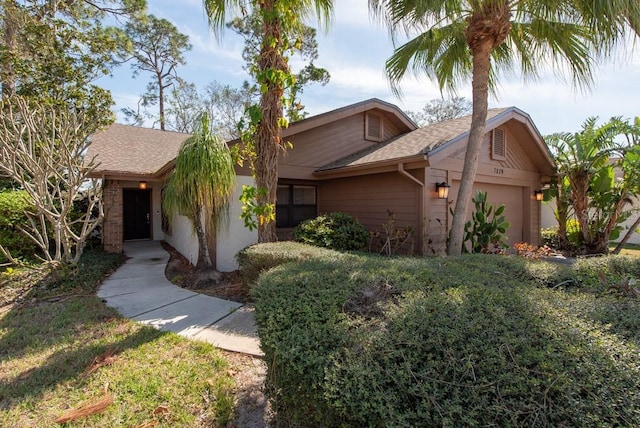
[(136, 210)]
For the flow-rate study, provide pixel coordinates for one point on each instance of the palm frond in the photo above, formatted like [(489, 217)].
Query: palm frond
[(203, 180)]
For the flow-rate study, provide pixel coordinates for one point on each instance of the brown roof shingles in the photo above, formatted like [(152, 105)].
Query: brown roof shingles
[(129, 149), (414, 143)]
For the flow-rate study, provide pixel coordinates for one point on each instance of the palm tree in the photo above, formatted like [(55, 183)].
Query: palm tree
[(201, 186), (588, 162), (481, 38), (280, 20)]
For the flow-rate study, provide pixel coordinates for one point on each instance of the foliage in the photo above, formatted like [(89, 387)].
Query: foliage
[(54, 51), (253, 213), (201, 185), (42, 148), (13, 207), (259, 258), (549, 237), (485, 231), (280, 23), (157, 47), (306, 46), (337, 231), (598, 175), (441, 109), (359, 340), (458, 41)]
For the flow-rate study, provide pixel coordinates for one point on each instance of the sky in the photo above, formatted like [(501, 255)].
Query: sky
[(354, 49)]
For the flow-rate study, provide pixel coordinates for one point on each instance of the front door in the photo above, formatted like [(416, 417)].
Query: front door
[(136, 210)]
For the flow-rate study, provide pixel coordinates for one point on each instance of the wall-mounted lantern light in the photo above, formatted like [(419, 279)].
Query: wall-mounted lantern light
[(142, 185), (443, 190), (538, 194)]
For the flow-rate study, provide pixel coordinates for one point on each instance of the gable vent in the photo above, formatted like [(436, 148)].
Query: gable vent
[(373, 127), (498, 145)]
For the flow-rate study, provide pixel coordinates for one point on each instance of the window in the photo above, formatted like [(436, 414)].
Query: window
[(374, 130), (294, 204), (498, 145)]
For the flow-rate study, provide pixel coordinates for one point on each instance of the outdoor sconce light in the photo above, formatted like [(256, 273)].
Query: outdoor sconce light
[(538, 194), (142, 185), (443, 190)]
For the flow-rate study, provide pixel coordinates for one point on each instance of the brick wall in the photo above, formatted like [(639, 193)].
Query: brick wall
[(112, 228)]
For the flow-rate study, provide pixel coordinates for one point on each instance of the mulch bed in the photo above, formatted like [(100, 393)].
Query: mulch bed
[(225, 285)]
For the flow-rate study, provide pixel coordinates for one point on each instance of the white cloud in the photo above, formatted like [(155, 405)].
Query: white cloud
[(355, 49)]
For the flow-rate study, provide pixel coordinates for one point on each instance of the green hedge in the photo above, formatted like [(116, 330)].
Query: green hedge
[(338, 231), (360, 340), (259, 258), (13, 206)]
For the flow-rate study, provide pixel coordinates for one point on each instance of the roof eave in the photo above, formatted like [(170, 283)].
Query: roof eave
[(369, 165)]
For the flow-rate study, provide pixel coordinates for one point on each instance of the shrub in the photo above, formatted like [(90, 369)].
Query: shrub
[(259, 258), (485, 232), (13, 205), (337, 231), (360, 340), (549, 237)]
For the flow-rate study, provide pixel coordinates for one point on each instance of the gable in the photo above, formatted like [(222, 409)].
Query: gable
[(522, 147), (348, 132), (413, 144)]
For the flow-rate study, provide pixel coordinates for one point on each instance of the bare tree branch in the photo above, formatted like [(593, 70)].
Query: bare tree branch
[(42, 148)]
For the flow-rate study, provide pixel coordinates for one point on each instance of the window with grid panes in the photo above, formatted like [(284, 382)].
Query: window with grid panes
[(295, 203)]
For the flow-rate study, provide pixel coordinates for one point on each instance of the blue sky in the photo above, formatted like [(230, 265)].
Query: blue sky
[(354, 50)]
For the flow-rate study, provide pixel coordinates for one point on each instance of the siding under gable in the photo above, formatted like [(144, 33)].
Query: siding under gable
[(328, 143), (516, 156)]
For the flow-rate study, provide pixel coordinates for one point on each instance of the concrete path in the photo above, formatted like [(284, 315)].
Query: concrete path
[(140, 290)]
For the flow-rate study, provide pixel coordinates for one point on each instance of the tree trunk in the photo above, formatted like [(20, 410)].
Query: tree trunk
[(605, 235), (627, 235), (562, 216), (204, 260), (269, 141), (487, 28), (480, 88), (161, 101), (580, 180)]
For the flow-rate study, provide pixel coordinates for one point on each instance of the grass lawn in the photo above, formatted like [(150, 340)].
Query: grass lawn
[(61, 347)]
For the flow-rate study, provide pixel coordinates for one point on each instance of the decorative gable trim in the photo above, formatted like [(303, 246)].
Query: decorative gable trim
[(498, 144), (374, 127)]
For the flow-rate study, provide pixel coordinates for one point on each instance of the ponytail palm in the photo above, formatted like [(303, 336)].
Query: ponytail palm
[(281, 20), (481, 39), (201, 186)]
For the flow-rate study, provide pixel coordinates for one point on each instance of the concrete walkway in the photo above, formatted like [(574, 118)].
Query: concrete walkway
[(140, 290)]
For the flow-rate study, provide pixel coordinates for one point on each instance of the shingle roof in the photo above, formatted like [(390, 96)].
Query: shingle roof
[(133, 150), (414, 143)]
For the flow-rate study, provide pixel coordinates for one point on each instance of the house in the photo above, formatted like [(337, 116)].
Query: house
[(366, 159)]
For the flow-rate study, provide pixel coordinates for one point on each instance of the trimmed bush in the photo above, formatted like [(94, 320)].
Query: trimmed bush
[(13, 205), (259, 258), (337, 231), (361, 340)]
